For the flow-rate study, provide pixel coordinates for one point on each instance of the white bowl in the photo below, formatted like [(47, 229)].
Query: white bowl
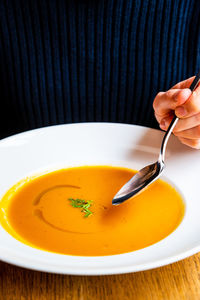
[(130, 146)]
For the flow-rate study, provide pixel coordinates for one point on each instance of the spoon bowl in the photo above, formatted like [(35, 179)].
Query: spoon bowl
[(139, 182)]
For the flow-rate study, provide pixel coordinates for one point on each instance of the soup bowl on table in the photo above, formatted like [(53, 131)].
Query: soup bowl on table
[(56, 212)]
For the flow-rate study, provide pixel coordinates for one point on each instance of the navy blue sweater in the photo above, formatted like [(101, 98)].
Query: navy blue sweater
[(64, 61)]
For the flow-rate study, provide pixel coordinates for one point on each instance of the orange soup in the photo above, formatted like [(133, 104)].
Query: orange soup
[(70, 211)]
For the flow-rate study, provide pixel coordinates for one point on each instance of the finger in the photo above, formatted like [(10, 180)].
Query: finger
[(165, 102), (184, 84), (165, 122), (168, 117), (192, 133), (182, 124), (192, 143), (190, 107)]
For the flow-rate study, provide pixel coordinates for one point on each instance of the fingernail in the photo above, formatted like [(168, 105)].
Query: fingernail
[(185, 93), (181, 111)]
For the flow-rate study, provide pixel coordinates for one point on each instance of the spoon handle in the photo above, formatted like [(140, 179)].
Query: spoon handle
[(174, 121)]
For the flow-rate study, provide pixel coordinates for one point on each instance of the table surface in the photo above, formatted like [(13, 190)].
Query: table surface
[(180, 280)]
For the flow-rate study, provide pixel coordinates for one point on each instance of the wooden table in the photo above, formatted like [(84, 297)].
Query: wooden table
[(177, 281)]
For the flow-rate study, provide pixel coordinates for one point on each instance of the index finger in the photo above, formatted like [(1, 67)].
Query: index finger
[(185, 84)]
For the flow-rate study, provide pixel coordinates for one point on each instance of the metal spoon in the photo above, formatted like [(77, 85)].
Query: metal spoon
[(152, 172)]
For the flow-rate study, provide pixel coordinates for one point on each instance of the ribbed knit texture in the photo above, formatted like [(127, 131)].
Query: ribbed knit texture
[(76, 61)]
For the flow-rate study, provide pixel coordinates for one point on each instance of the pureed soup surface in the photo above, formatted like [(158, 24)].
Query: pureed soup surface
[(40, 212)]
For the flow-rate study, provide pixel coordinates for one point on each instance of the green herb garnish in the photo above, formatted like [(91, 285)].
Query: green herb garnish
[(84, 205)]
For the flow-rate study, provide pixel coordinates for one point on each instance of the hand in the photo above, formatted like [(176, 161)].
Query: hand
[(179, 100)]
